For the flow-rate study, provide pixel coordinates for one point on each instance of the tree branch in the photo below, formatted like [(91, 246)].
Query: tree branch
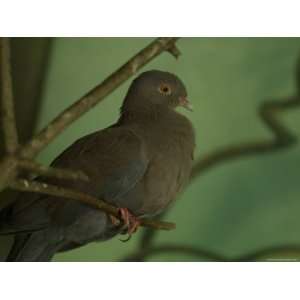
[(48, 189), (7, 101), (42, 139)]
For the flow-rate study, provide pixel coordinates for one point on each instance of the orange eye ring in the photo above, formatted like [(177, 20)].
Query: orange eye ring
[(164, 89)]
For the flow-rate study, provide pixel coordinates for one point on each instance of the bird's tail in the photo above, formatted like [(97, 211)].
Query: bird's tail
[(31, 247), (8, 228)]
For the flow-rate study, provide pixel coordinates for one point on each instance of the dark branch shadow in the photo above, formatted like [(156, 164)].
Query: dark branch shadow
[(277, 253)]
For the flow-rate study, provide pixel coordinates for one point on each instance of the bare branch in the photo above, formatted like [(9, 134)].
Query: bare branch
[(45, 188), (38, 169), (7, 101), (173, 50), (42, 139)]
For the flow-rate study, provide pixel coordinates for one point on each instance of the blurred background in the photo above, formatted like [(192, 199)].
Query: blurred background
[(232, 210)]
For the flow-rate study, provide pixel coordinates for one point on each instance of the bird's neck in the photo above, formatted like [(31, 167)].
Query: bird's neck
[(148, 114), (167, 123)]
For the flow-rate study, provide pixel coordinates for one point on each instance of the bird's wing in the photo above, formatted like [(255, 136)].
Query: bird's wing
[(114, 159), (26, 214)]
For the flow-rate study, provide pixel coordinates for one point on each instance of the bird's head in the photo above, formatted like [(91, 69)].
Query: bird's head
[(156, 90)]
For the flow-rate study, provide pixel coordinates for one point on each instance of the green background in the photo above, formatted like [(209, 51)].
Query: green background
[(238, 207)]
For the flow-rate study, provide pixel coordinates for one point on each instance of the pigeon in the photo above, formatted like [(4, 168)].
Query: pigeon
[(139, 165)]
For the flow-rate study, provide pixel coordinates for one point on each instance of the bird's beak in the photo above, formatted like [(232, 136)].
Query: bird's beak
[(184, 102)]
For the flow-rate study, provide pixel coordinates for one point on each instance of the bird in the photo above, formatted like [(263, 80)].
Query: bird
[(139, 165)]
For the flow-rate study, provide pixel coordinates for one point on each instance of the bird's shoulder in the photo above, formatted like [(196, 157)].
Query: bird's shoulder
[(114, 141)]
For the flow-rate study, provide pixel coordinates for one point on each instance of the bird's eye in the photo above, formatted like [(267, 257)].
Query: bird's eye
[(164, 89)]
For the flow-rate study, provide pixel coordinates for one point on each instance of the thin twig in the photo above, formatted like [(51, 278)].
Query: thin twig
[(7, 101), (45, 188), (42, 139), (38, 169)]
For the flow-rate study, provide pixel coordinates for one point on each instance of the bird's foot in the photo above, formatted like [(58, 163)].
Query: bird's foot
[(114, 220), (131, 222)]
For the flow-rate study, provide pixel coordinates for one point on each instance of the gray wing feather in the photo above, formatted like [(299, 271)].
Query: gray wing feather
[(114, 159)]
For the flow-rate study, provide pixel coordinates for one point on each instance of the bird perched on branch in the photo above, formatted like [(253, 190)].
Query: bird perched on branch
[(138, 164)]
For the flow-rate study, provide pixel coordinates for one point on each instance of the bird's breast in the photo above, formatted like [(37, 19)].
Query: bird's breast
[(168, 170)]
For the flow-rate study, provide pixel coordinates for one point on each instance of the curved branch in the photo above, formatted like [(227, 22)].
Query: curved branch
[(49, 189), (288, 253)]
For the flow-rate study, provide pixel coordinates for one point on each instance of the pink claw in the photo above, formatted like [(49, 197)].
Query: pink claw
[(132, 222)]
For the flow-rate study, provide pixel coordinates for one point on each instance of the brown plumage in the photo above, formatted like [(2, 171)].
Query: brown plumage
[(139, 164)]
